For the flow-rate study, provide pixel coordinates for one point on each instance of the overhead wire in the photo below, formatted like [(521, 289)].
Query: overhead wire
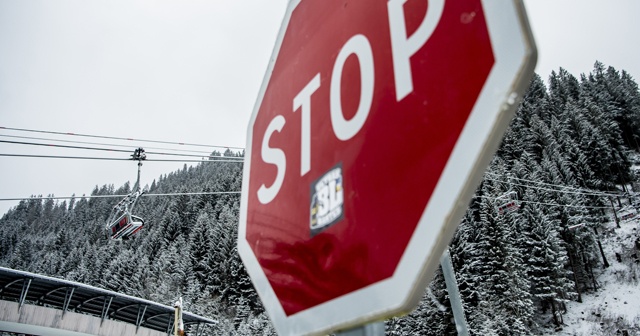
[(98, 149), (567, 205), (115, 150), (208, 159), (64, 146), (565, 189), (103, 144), (211, 159), (116, 138), (120, 196), (573, 191), (551, 204), (547, 189), (553, 185), (577, 190)]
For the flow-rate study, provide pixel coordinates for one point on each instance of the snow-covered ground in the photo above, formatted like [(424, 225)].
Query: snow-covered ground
[(615, 308)]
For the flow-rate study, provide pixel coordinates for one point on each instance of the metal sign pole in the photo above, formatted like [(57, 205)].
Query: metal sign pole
[(378, 328), (454, 294), (371, 329)]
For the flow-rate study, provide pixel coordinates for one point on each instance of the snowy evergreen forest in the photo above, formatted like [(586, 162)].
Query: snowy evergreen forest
[(570, 141)]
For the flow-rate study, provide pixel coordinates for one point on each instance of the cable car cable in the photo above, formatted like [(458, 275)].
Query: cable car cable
[(103, 144), (116, 138), (118, 196), (64, 146), (97, 149), (553, 190), (552, 204), (589, 191), (215, 158)]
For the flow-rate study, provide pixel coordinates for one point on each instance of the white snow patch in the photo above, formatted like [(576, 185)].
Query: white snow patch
[(616, 305)]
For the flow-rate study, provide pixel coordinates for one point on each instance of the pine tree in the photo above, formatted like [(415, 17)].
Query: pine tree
[(546, 258), (200, 242), (433, 316), (518, 138), (501, 279)]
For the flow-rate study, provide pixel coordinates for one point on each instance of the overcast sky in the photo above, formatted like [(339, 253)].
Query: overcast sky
[(189, 71)]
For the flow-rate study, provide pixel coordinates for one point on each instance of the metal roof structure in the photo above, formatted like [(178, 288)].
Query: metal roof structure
[(24, 287)]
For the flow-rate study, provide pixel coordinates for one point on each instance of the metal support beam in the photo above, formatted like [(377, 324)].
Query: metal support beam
[(198, 329), (454, 294), (67, 300), (44, 296), (371, 329), (141, 311), (113, 313), (87, 301), (170, 325), (105, 308), (9, 285), (26, 282)]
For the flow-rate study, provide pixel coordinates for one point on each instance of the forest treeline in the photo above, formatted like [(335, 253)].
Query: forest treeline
[(568, 144)]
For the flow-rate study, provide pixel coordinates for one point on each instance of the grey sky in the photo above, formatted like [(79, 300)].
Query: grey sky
[(573, 34), (189, 71)]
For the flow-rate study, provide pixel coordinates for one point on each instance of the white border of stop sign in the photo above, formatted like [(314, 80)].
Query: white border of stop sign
[(515, 57)]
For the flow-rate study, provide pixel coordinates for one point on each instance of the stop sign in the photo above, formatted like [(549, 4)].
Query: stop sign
[(374, 123)]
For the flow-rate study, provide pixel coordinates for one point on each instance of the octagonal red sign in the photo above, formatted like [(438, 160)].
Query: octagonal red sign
[(374, 120)]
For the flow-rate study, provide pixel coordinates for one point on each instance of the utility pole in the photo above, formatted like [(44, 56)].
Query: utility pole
[(178, 326)]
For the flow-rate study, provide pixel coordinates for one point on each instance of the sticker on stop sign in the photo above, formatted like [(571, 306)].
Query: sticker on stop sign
[(327, 200)]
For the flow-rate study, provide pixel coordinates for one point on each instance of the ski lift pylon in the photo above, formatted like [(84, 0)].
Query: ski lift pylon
[(122, 224)]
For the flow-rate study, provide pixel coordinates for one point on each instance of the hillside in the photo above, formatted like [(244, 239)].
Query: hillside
[(526, 252), (613, 309)]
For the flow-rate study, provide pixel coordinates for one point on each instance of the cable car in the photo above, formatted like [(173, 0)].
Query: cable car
[(507, 203), (126, 226), (122, 224), (626, 215)]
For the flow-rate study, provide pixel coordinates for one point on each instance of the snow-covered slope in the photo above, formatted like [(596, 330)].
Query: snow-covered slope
[(615, 308)]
